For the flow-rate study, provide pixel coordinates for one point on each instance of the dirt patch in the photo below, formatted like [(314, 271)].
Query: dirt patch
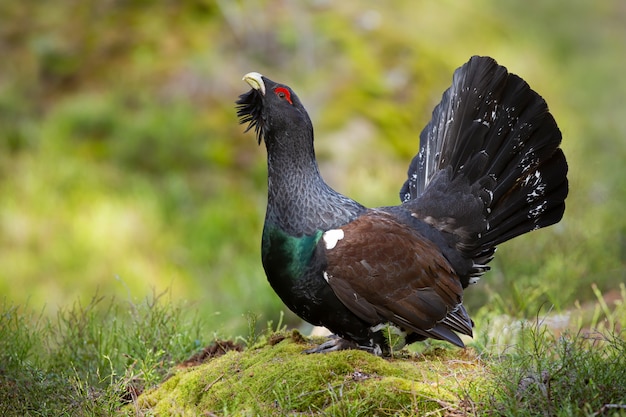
[(216, 349)]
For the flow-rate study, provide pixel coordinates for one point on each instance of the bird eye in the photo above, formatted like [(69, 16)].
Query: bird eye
[(283, 94)]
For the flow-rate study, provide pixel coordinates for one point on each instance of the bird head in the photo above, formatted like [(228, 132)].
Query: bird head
[(270, 107)]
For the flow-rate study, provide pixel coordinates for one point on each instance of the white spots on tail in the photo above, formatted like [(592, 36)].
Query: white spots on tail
[(537, 210), (490, 194), (483, 121), (532, 180), (536, 193), (491, 113), (494, 112), (529, 160), (326, 276), (534, 196), (331, 237)]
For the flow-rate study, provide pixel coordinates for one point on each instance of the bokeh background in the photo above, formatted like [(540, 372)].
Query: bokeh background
[(124, 172)]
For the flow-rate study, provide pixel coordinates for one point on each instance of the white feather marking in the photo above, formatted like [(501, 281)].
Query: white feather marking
[(483, 121), (331, 237), (326, 276), (378, 327), (391, 327)]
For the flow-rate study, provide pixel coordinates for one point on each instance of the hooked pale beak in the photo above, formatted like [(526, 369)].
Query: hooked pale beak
[(256, 81)]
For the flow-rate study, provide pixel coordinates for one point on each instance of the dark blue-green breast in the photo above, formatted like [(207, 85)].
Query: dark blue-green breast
[(287, 258)]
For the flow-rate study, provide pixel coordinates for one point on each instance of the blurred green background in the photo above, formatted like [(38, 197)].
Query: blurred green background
[(123, 170)]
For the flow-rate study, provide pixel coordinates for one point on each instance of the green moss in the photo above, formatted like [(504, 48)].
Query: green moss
[(280, 380)]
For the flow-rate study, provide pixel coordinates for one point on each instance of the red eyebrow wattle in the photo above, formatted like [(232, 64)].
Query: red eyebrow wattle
[(284, 91)]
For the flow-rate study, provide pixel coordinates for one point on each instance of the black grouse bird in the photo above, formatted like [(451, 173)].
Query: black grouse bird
[(489, 169)]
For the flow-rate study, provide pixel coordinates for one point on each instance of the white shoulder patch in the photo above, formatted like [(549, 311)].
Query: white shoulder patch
[(331, 237)]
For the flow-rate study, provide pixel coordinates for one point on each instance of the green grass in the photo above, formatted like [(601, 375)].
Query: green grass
[(91, 358), (545, 367), (115, 357), (581, 374)]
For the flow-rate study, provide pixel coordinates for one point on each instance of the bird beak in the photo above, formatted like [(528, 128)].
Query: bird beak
[(256, 81)]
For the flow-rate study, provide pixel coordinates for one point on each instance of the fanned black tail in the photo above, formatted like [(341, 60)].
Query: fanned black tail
[(489, 167)]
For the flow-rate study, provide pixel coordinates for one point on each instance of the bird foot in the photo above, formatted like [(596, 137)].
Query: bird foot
[(336, 343)]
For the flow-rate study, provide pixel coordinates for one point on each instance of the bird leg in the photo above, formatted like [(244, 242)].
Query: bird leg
[(336, 343)]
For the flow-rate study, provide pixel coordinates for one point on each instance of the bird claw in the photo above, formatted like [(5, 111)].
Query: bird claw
[(336, 343)]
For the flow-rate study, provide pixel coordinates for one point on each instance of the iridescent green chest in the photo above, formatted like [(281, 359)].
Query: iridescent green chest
[(285, 257)]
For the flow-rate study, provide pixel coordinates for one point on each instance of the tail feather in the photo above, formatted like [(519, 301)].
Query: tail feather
[(536, 201), (489, 166)]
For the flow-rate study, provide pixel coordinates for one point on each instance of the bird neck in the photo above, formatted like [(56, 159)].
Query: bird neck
[(294, 181), (299, 201), (291, 164)]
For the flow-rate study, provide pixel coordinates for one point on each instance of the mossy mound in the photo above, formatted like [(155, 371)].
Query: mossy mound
[(277, 379)]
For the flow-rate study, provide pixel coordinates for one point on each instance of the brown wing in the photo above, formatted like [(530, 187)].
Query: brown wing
[(382, 270)]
